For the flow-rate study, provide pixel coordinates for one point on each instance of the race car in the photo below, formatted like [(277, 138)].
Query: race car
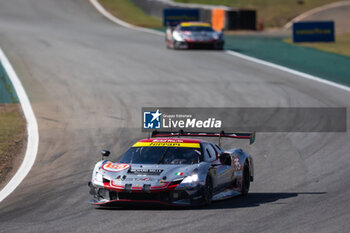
[(173, 171), (194, 35)]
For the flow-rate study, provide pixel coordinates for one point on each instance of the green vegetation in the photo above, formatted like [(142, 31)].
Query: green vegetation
[(322, 64), (12, 136), (274, 13), (340, 46), (127, 11)]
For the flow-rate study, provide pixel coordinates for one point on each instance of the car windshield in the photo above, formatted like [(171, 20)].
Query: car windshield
[(161, 155), (197, 29)]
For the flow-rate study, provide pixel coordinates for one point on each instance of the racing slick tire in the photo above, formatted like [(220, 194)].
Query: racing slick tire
[(219, 46), (175, 45), (245, 180), (208, 191), (167, 42)]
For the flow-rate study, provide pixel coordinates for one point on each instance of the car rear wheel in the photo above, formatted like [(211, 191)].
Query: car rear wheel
[(245, 180)]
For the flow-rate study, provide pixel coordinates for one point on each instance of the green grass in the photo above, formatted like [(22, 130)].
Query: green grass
[(127, 11), (274, 13), (340, 46), (12, 136), (274, 49)]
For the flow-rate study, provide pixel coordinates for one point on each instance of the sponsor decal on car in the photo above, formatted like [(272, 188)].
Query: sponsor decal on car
[(167, 140), (179, 173), (167, 144), (144, 179), (115, 167), (145, 170)]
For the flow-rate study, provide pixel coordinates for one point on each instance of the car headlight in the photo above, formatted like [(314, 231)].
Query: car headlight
[(217, 35), (177, 36), (190, 179)]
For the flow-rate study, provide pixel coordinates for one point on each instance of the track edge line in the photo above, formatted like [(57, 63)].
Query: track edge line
[(32, 130), (289, 70), (120, 22)]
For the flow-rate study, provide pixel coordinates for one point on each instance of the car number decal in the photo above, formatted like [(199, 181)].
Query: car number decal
[(236, 162)]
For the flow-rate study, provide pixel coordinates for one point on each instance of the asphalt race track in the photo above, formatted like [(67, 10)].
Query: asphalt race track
[(88, 78)]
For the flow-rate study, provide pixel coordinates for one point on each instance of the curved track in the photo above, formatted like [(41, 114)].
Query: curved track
[(337, 11), (88, 79)]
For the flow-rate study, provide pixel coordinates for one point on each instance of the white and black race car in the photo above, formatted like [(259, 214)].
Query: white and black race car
[(173, 171), (194, 35)]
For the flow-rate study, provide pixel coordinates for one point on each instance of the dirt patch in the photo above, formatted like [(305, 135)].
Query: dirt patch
[(13, 138)]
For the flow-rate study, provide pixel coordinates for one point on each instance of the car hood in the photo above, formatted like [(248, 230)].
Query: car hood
[(203, 34), (153, 174)]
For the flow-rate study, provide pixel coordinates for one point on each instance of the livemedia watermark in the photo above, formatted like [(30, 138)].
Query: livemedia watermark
[(244, 119)]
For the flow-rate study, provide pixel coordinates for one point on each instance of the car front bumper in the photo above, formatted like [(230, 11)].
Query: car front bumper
[(181, 196), (191, 44)]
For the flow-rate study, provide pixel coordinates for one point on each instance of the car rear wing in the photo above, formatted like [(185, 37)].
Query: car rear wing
[(222, 134)]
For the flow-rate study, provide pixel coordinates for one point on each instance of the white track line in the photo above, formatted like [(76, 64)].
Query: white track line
[(100, 8), (283, 68), (32, 129)]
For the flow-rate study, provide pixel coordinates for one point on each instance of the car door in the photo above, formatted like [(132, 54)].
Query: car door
[(219, 172), (226, 170), (210, 157)]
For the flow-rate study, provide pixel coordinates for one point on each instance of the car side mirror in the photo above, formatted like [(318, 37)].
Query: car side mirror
[(105, 153), (225, 158)]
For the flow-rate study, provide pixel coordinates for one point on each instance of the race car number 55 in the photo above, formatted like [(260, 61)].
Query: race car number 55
[(115, 167)]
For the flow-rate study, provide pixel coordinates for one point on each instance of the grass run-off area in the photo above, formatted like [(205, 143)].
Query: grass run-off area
[(273, 13), (12, 136), (128, 12), (340, 46)]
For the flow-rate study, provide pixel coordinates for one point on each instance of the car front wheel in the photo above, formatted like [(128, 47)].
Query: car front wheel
[(245, 180), (208, 190)]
